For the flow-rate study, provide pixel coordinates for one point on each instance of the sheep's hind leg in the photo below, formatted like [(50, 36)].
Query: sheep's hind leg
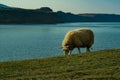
[(88, 49), (79, 50)]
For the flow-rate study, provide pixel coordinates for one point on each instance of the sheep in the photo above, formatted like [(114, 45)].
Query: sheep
[(79, 38)]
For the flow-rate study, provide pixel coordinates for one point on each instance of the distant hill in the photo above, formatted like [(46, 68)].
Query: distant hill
[(101, 17), (69, 17), (4, 6), (45, 15), (26, 16)]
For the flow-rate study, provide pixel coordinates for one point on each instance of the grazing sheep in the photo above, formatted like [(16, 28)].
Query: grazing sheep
[(79, 38)]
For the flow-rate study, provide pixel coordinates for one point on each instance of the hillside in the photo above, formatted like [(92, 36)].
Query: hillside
[(4, 6), (70, 17), (99, 65), (27, 16), (45, 15), (101, 17)]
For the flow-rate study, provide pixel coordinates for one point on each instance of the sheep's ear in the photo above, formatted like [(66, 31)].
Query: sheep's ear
[(67, 46)]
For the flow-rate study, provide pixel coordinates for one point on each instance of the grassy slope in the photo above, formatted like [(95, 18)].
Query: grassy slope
[(100, 65)]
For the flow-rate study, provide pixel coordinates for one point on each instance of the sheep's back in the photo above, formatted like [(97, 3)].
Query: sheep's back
[(79, 37), (84, 37)]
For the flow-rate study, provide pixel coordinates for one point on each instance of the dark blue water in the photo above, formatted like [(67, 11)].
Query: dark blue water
[(20, 42)]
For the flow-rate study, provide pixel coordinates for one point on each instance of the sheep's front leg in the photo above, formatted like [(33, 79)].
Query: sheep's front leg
[(70, 52)]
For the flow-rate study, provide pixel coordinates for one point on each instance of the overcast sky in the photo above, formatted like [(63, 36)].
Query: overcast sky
[(74, 6)]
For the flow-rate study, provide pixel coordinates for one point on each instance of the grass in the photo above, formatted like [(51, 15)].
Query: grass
[(99, 65)]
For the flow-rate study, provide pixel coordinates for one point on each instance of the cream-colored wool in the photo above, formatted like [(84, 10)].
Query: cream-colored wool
[(79, 38)]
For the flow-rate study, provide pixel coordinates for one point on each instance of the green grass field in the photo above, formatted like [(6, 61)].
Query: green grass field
[(99, 65)]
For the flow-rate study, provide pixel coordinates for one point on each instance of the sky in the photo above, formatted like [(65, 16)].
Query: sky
[(73, 6)]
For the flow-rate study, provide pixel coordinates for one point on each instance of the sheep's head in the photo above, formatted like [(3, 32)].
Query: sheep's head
[(66, 49)]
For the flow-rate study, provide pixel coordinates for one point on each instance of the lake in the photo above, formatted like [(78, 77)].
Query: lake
[(21, 42)]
